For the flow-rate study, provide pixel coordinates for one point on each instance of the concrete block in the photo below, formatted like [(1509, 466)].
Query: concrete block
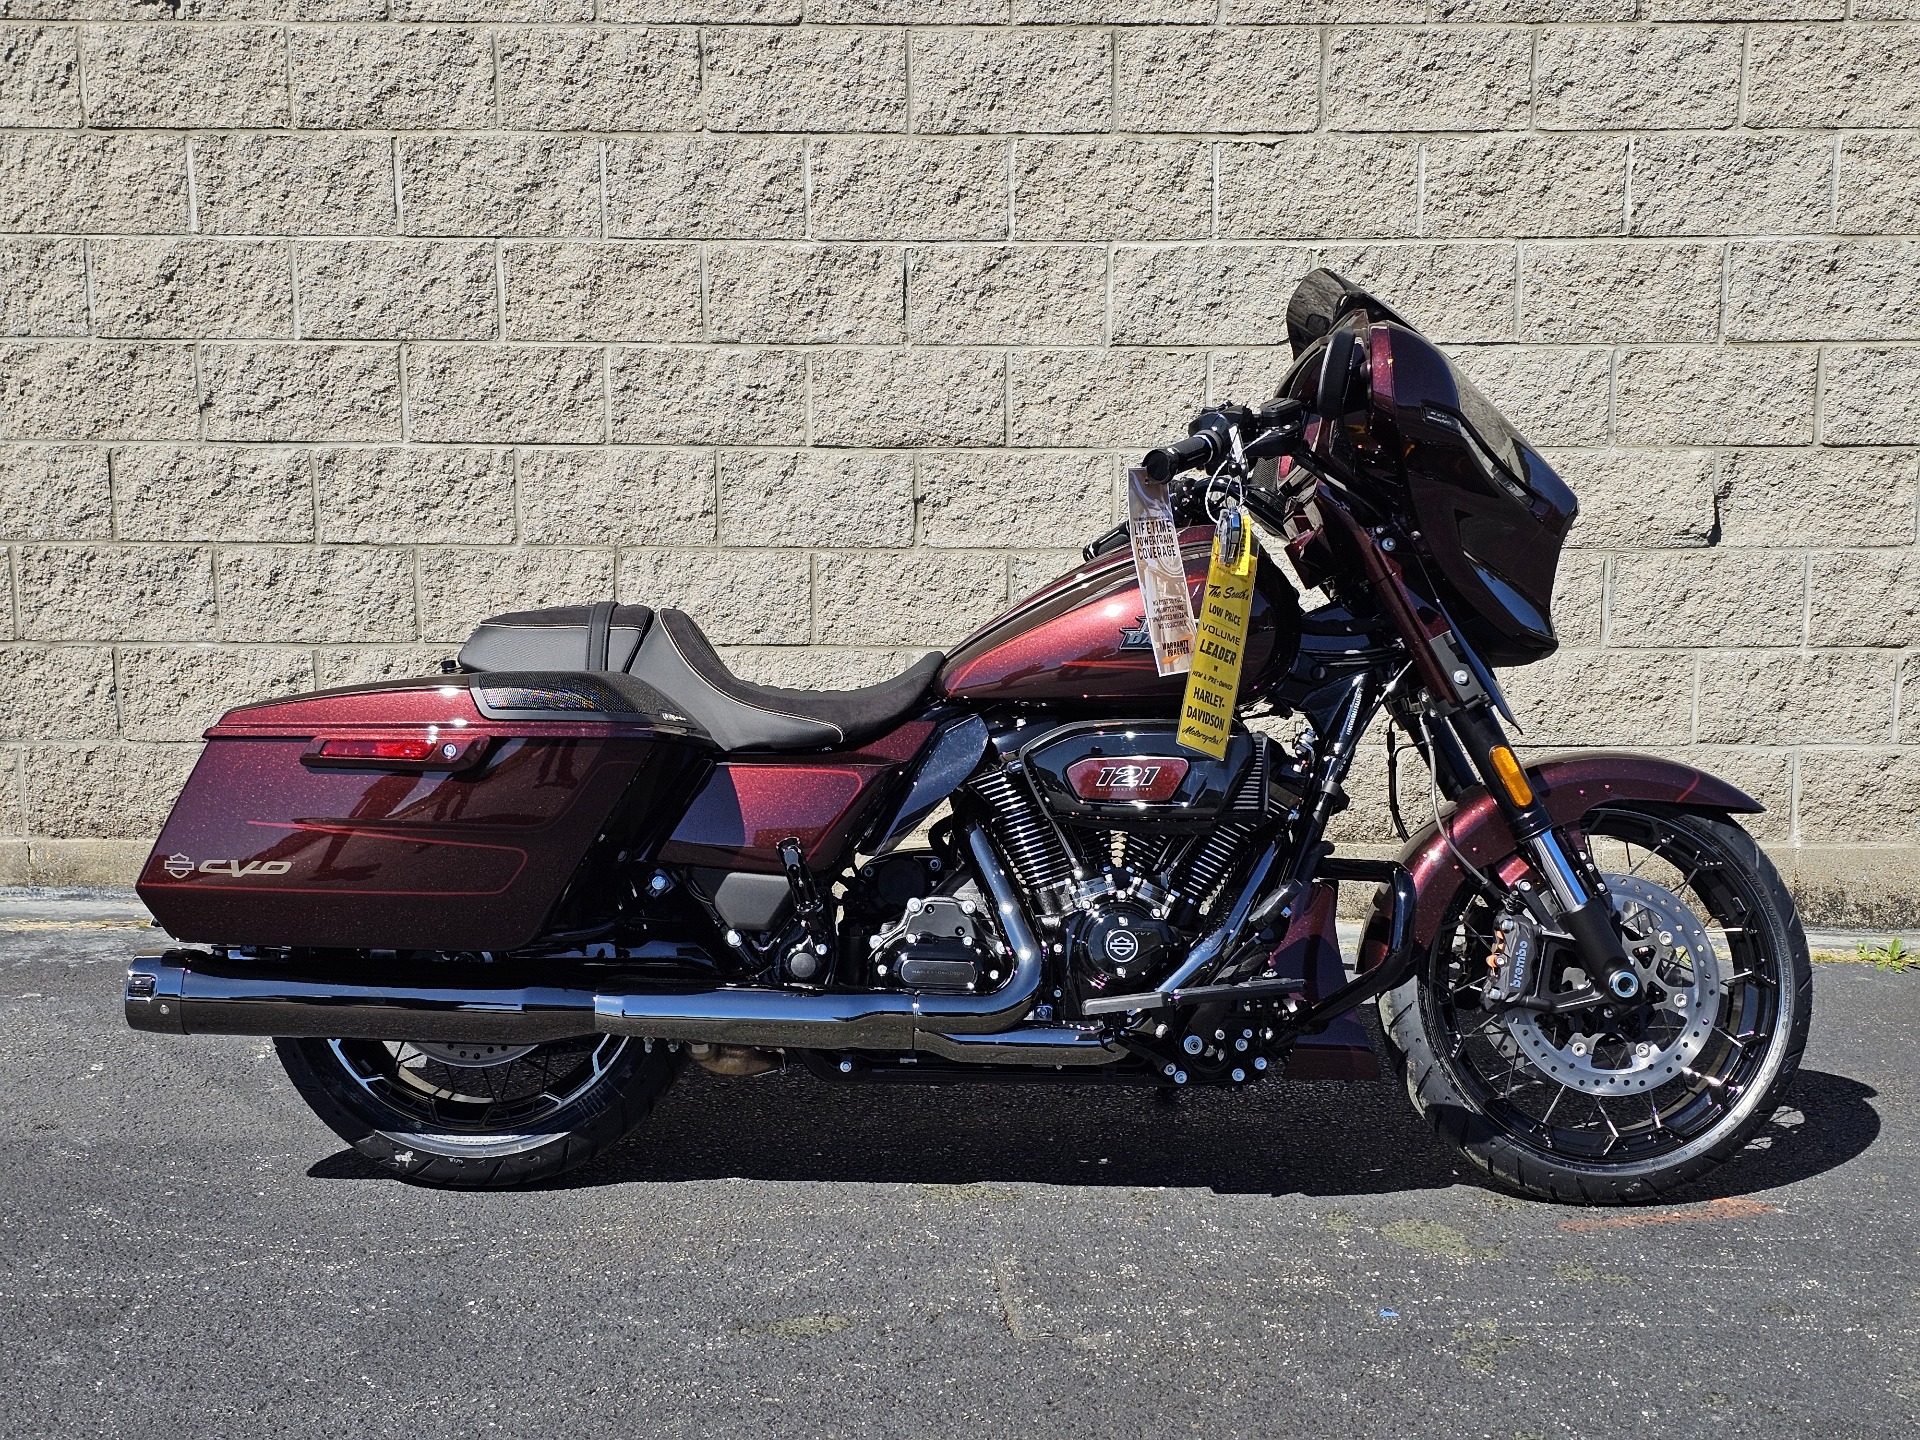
[(739, 597), (1833, 75), (1554, 394), (381, 495), (461, 587), (43, 286), (990, 295), (906, 597), (1638, 78), (817, 80), (1459, 292), (1871, 396), (1580, 598), (1031, 570), (1737, 597), (1098, 398), (174, 692), (718, 187), (1204, 295), (301, 392), (599, 78), (1319, 187), (1005, 500), (209, 492), (1525, 185), (505, 394), (391, 77), (1858, 886), (1715, 395), (294, 184), (1878, 189), (1784, 498), (1860, 795), (103, 791), (810, 497), (1121, 189), (397, 289), (719, 395), (1640, 499), (601, 497), (1731, 184), (190, 289), (57, 692), (1869, 597), (1623, 291), (622, 291), (185, 76), (1053, 81), (817, 667), (1775, 697), (93, 184), (366, 664), (1440, 78), (103, 390), (39, 76), (54, 492), (1634, 698), (542, 186), (1766, 775), (885, 189), (115, 592), (790, 294), (1823, 290), (1240, 81), (289, 593), (908, 397)]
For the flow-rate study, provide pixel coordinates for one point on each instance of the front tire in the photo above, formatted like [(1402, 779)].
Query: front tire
[(1561, 1108), (470, 1116)]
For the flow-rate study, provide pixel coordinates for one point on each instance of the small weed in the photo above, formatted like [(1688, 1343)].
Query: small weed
[(1894, 955)]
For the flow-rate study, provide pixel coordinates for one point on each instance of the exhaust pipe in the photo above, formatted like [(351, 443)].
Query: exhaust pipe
[(166, 994)]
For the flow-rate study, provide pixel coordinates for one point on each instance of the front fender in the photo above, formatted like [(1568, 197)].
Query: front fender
[(1570, 785)]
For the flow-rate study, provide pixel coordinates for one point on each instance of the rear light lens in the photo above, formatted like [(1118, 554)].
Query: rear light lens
[(415, 750)]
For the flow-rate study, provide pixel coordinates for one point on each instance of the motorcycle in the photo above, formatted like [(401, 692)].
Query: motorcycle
[(489, 914)]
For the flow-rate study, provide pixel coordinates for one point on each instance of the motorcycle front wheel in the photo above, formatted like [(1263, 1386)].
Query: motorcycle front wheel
[(1618, 1104), (477, 1116)]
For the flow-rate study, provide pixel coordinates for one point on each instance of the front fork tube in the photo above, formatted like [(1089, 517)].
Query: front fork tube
[(1586, 916)]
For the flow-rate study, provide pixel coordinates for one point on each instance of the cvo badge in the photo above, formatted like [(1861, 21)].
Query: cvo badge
[(178, 866), (181, 866)]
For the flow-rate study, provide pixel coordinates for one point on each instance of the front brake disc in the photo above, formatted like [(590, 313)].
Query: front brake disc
[(1680, 972)]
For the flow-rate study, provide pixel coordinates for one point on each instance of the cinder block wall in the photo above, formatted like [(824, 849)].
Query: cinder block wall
[(335, 325)]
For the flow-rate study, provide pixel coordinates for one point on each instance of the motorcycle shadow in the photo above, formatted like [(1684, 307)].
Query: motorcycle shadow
[(1301, 1138)]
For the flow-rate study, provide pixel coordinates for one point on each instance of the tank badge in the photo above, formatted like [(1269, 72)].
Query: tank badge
[(178, 866), (1135, 636)]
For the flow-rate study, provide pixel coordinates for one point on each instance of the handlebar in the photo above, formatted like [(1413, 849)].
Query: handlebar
[(1262, 434)]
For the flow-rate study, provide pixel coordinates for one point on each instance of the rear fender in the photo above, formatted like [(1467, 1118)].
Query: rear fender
[(1571, 786)]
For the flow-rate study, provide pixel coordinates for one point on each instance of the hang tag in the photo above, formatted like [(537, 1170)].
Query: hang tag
[(1167, 608), (1213, 684)]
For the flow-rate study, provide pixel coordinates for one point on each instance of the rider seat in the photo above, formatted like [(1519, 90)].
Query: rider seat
[(667, 650)]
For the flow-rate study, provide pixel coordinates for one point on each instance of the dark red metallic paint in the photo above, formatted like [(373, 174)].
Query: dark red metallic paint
[(1569, 786), (1311, 949), (392, 858), (747, 807), (1068, 641)]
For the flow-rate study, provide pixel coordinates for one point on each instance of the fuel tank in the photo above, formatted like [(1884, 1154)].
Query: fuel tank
[(1083, 638)]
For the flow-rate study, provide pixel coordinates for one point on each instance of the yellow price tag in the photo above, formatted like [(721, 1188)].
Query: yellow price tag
[(1220, 640)]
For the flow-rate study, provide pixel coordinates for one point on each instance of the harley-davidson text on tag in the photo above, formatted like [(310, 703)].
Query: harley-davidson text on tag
[(1167, 607), (1213, 684)]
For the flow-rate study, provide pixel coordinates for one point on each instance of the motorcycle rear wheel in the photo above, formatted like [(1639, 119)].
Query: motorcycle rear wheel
[(1538, 1108), (473, 1117)]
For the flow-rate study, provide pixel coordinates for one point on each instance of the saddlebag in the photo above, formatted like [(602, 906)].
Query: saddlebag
[(444, 814)]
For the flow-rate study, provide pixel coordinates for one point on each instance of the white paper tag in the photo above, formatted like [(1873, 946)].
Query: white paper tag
[(1167, 605)]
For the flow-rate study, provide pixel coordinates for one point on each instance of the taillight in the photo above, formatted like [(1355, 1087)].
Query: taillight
[(398, 752), (384, 749)]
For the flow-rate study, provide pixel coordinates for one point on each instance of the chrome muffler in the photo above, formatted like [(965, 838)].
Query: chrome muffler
[(168, 995)]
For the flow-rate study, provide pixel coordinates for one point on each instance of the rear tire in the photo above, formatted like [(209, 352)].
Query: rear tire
[(1459, 1104), (442, 1115)]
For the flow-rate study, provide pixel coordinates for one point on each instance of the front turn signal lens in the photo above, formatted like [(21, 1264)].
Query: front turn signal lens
[(1507, 766)]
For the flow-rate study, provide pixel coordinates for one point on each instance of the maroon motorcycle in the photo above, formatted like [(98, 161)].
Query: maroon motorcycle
[(490, 913)]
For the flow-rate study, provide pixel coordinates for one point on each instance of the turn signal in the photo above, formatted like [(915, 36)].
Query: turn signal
[(1507, 767)]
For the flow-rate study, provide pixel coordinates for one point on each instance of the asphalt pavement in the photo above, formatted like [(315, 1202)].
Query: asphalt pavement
[(186, 1251)]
